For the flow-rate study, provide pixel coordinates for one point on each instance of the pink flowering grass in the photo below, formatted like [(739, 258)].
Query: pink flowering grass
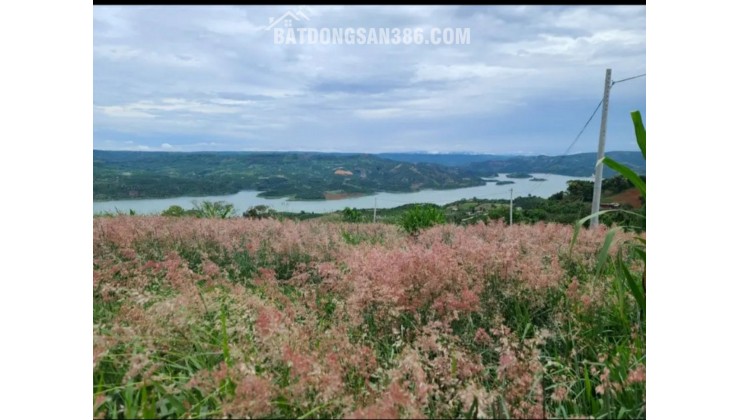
[(243, 318)]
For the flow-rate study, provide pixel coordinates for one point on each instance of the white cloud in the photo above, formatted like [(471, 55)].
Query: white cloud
[(455, 72), (147, 109), (123, 112), (379, 113)]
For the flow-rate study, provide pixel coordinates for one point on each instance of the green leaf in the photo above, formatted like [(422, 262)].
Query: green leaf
[(579, 223), (639, 131), (587, 381), (634, 285), (177, 405), (503, 407), (641, 216), (626, 172), (641, 252), (314, 410), (471, 414), (604, 252), (225, 337)]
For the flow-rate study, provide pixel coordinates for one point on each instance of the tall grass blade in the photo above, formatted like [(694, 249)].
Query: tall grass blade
[(634, 285), (604, 252), (639, 131), (581, 222)]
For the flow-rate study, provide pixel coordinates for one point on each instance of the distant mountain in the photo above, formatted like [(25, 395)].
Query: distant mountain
[(313, 175), (582, 164), (446, 159), (302, 175)]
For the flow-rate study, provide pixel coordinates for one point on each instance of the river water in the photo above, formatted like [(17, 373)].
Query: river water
[(245, 199)]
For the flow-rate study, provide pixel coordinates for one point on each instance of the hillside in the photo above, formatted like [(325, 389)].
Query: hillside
[(630, 197), (581, 164), (446, 159), (316, 176), (119, 174)]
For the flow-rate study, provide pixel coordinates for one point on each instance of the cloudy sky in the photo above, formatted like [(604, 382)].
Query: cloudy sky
[(212, 78)]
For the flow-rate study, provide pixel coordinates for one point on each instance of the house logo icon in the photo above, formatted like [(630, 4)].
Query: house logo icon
[(288, 17)]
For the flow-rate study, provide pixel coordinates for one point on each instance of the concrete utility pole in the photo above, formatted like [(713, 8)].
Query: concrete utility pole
[(375, 208), (511, 207), (596, 200)]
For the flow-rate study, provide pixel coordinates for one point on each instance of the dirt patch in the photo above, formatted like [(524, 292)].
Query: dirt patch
[(631, 197)]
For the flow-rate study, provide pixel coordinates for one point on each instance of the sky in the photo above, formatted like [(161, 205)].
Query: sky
[(206, 78)]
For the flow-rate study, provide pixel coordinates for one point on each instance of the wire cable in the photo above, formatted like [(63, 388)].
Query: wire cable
[(562, 155), (587, 123), (573, 143), (629, 78)]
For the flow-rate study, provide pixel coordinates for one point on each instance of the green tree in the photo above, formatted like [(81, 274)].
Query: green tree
[(421, 217), (580, 190), (174, 211), (502, 212), (616, 184), (351, 215), (535, 215), (213, 210), (259, 212), (557, 196), (498, 212)]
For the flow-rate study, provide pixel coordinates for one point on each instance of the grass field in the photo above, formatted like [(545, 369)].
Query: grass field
[(202, 318)]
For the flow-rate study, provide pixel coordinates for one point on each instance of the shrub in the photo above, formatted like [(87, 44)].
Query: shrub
[(351, 215), (259, 212), (214, 210), (174, 211), (421, 217)]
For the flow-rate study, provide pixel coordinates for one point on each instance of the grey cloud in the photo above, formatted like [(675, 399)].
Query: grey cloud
[(175, 74)]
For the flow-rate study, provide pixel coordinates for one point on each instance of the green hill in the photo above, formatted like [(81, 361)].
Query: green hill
[(120, 174), (581, 164)]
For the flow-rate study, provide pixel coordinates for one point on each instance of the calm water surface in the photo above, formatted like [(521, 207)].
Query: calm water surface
[(246, 199)]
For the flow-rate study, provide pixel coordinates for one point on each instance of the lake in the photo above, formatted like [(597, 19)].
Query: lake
[(245, 199)]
